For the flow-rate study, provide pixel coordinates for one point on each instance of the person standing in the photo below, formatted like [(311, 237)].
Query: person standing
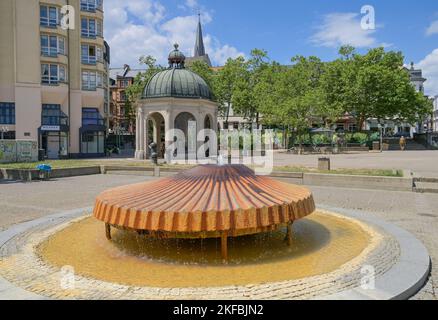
[(402, 143)]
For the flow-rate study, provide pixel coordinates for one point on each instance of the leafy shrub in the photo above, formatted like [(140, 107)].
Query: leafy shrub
[(319, 139), (375, 136), (360, 137)]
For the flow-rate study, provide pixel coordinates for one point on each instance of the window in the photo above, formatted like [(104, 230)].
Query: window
[(50, 114), (91, 80), (99, 54), (88, 55), (61, 45), (124, 83), (62, 76), (122, 96), (8, 135), (53, 74), (88, 28), (99, 80), (49, 74), (99, 28), (7, 113), (51, 46), (49, 16), (93, 142), (91, 116), (91, 5)]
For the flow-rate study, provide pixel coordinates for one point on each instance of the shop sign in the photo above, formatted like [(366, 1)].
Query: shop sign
[(50, 128)]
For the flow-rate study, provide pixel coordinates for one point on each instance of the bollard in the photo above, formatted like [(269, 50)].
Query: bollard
[(156, 171), (324, 164), (376, 146)]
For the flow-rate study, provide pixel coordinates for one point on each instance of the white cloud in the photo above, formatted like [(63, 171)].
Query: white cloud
[(192, 3), (432, 29), (429, 65), (140, 27), (339, 29)]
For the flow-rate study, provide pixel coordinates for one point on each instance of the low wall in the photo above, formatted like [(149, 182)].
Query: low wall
[(18, 151), (72, 172), (33, 174), (360, 182), (311, 179)]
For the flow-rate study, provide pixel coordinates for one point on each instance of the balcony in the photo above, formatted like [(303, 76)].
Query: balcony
[(88, 6), (49, 52), (52, 81), (89, 86), (90, 60), (90, 34), (49, 22)]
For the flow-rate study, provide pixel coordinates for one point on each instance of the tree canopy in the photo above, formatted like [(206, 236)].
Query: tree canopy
[(308, 91)]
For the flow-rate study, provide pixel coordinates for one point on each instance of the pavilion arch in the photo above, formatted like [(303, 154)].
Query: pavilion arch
[(156, 130)]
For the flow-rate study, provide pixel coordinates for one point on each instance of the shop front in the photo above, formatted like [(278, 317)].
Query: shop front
[(53, 133), (92, 134)]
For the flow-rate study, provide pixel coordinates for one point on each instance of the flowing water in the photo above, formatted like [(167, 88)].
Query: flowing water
[(321, 243)]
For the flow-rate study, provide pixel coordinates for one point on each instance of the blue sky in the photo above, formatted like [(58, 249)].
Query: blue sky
[(283, 28)]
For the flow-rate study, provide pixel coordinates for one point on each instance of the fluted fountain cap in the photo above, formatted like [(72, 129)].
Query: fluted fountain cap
[(208, 198)]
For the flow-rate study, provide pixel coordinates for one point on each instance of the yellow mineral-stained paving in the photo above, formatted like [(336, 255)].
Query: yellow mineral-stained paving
[(321, 244)]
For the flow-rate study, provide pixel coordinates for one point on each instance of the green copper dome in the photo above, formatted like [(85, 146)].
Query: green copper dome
[(177, 82)]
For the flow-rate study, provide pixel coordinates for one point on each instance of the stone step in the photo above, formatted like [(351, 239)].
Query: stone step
[(427, 180), (426, 187)]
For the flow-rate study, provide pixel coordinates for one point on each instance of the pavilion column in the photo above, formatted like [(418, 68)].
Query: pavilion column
[(199, 127), (141, 134), (168, 137), (139, 153), (146, 151)]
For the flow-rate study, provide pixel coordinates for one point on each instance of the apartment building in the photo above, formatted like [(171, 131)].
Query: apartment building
[(54, 83), (122, 118)]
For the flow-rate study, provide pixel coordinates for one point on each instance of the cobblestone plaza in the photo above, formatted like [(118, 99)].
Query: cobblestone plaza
[(413, 212)]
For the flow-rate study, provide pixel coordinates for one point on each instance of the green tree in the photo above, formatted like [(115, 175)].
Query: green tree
[(373, 85), (246, 99), (225, 84), (291, 95), (204, 71), (135, 90)]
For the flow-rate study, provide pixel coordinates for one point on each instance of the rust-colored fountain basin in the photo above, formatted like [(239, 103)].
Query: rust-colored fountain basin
[(208, 201)]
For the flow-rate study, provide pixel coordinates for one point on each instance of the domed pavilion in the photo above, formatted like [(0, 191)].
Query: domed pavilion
[(175, 98)]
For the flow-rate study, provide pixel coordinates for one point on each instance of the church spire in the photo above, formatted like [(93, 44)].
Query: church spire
[(199, 45)]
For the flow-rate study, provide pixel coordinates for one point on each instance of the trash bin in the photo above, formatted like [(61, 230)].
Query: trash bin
[(324, 164), (41, 154), (376, 145), (44, 171)]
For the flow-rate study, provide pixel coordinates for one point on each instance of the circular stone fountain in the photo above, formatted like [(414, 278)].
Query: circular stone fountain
[(208, 201), (170, 237)]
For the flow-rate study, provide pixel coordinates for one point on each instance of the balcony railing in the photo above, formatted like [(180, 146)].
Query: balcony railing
[(89, 60), (47, 22), (86, 33), (51, 80), (88, 6), (89, 86), (49, 52)]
